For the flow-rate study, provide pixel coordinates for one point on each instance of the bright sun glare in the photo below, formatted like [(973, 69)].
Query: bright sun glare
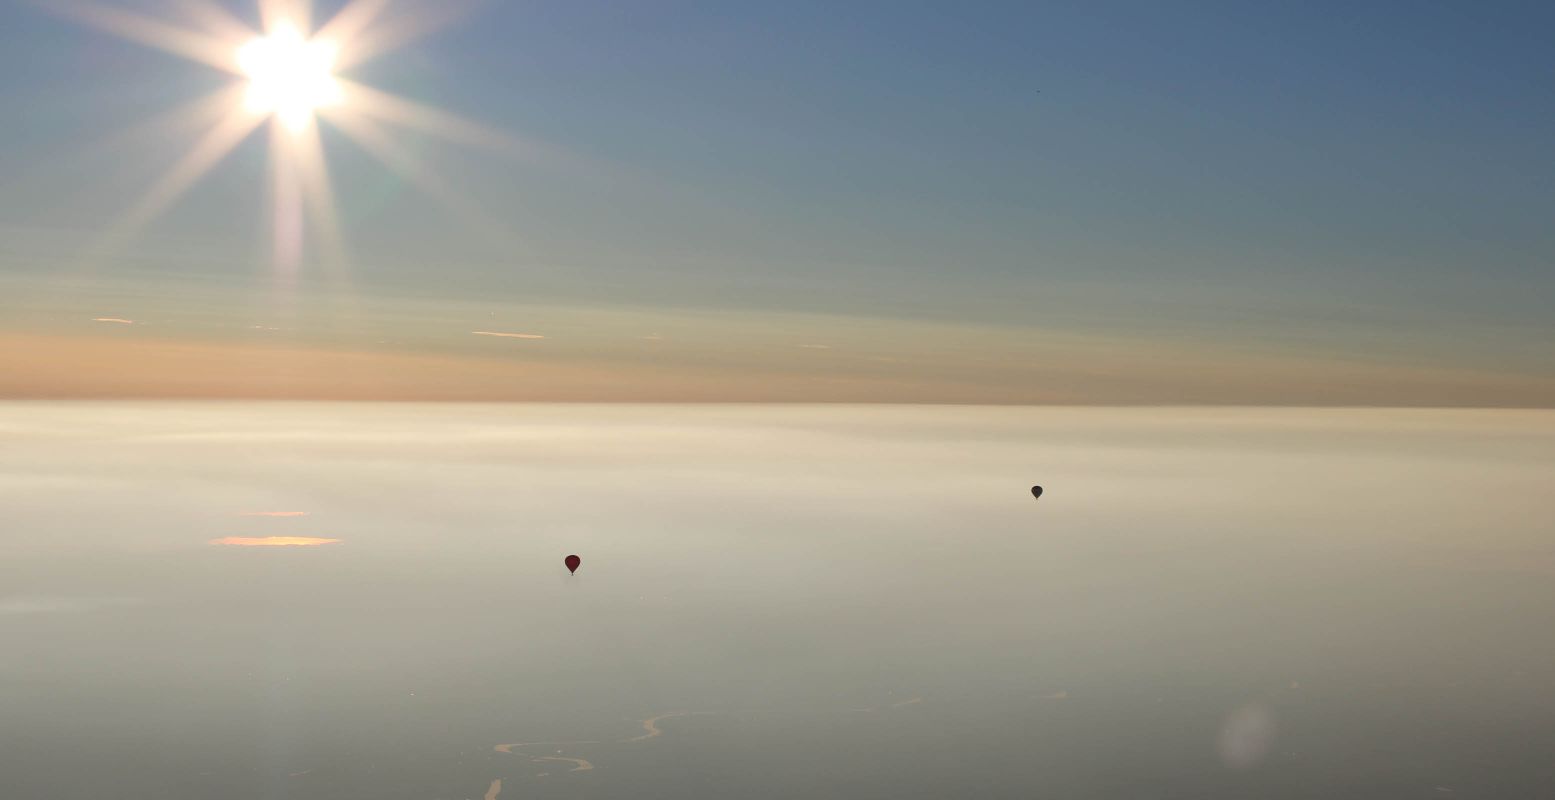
[(289, 76)]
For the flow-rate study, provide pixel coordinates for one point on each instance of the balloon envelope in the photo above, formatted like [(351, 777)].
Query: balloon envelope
[(572, 563), (1036, 491)]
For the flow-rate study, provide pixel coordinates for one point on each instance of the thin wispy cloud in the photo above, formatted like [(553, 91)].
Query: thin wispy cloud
[(506, 335), (816, 346), (114, 320), (272, 541)]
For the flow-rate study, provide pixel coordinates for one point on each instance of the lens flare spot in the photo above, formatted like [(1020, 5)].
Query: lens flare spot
[(272, 541), (1246, 735)]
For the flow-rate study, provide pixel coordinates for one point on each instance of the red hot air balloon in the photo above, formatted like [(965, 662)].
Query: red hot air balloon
[(572, 563)]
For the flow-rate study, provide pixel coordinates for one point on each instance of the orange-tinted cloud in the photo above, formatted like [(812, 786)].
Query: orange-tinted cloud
[(116, 367), (1050, 369), (114, 320), (508, 335), (272, 541)]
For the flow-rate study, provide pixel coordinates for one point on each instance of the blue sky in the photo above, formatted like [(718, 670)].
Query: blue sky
[(1324, 180)]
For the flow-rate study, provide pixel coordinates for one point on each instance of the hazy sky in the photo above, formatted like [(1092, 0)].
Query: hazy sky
[(1026, 202)]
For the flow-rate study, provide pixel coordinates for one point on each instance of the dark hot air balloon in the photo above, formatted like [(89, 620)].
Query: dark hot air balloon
[(572, 563), (1036, 491)]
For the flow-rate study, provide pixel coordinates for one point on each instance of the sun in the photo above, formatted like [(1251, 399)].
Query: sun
[(288, 76), (292, 74)]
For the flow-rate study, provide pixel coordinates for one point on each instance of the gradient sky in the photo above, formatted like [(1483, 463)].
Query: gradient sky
[(1087, 202)]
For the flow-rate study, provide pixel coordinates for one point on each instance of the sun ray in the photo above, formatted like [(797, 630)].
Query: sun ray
[(374, 41), (448, 126), (186, 119), (390, 108), (372, 138), (319, 198), (349, 22), (319, 192), (105, 155), (376, 141), (286, 204), (323, 215), (210, 149), (151, 32), (216, 20)]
